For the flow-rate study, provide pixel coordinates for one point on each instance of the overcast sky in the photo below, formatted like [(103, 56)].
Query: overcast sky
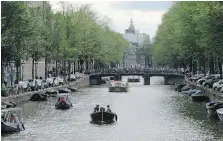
[(146, 15)]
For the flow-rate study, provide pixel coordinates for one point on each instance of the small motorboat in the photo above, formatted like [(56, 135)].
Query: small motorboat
[(39, 97), (63, 101), (220, 113), (52, 93), (134, 79), (186, 88), (212, 106), (103, 116), (11, 120), (118, 86), (73, 89), (179, 87), (198, 96), (8, 105), (190, 92), (64, 90)]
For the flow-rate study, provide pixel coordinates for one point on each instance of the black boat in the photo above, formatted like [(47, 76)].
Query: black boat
[(73, 89), (63, 101), (39, 97), (8, 105), (52, 93), (198, 96), (64, 90), (212, 106), (103, 117), (179, 87)]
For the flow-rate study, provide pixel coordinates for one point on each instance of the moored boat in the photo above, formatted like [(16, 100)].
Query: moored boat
[(212, 106), (64, 90), (198, 96), (11, 120), (52, 93), (39, 97), (134, 79), (63, 101), (179, 87), (73, 89), (118, 86), (220, 113), (7, 105)]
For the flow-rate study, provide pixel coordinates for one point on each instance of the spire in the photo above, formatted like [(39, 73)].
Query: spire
[(131, 28)]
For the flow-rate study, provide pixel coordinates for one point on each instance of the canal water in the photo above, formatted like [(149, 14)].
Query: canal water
[(146, 113)]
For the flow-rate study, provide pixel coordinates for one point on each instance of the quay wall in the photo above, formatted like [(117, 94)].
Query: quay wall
[(82, 82)]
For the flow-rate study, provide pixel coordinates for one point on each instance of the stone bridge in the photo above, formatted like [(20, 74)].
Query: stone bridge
[(170, 76)]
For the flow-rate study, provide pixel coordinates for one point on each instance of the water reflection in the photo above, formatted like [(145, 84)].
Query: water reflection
[(154, 112)]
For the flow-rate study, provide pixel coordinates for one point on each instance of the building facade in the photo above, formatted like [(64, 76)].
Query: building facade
[(135, 56)]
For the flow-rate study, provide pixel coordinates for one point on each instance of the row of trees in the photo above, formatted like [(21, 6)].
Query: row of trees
[(69, 36), (191, 35)]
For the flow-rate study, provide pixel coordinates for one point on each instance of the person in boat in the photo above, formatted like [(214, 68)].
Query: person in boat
[(96, 109), (108, 108), (12, 118)]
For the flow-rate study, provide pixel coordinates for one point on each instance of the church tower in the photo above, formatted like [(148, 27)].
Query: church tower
[(131, 28)]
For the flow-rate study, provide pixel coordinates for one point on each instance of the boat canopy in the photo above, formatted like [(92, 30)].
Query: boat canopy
[(6, 113), (220, 111)]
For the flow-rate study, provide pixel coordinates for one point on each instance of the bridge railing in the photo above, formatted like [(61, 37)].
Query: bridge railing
[(136, 71)]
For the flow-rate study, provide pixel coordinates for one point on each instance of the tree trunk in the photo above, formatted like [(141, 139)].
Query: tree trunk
[(220, 66), (74, 69), (56, 67), (87, 64), (211, 65), (17, 70), (191, 65), (69, 68), (33, 68), (46, 66), (81, 65)]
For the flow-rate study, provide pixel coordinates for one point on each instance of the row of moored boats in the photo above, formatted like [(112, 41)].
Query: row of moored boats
[(214, 107)]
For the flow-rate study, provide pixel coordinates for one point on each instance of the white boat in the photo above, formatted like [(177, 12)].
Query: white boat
[(11, 120), (118, 86), (220, 113)]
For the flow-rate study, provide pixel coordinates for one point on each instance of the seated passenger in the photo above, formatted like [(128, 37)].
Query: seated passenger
[(108, 109), (96, 109)]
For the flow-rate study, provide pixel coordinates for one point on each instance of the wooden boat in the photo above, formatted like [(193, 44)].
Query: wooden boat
[(212, 107), (134, 79), (63, 101), (8, 105), (11, 120), (52, 93), (103, 116), (220, 113), (118, 86), (64, 90), (39, 97)]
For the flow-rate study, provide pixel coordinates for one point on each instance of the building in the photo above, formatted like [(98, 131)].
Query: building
[(135, 56)]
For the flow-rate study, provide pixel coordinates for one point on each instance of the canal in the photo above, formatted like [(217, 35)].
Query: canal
[(146, 113)]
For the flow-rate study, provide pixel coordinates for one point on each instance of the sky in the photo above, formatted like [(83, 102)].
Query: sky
[(146, 15)]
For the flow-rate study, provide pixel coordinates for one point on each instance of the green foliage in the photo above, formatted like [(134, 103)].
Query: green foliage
[(189, 30), (70, 35)]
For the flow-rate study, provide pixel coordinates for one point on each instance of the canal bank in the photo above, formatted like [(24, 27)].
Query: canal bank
[(82, 82), (210, 93)]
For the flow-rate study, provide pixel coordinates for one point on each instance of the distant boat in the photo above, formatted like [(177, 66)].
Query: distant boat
[(63, 101), (64, 90), (134, 79), (11, 120), (7, 105), (52, 93), (118, 86), (103, 117), (220, 113)]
